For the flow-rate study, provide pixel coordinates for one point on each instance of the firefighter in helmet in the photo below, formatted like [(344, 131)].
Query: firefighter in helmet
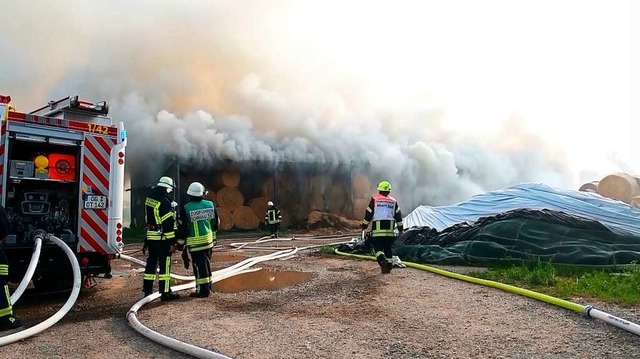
[(160, 240), (197, 230), (7, 320), (272, 219), (384, 215)]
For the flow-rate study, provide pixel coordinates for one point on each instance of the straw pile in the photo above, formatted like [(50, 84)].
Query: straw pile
[(620, 186), (245, 218)]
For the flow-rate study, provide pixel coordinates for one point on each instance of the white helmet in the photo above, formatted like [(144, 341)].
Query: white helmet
[(269, 203), (165, 182), (196, 189)]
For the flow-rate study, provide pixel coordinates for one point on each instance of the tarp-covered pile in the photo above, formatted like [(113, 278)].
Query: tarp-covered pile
[(524, 222)]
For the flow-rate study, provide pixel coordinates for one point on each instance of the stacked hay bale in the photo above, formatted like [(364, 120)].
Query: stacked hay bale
[(589, 187), (230, 202), (362, 191), (620, 186)]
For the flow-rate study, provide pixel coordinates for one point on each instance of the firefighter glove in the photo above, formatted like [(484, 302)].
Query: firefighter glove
[(185, 258), (364, 226), (144, 247)]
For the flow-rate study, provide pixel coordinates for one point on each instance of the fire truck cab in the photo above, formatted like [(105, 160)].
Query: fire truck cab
[(62, 171)]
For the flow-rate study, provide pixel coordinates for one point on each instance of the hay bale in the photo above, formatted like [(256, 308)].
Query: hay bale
[(226, 219), (620, 186), (211, 196), (359, 207), (259, 206), (230, 198), (230, 178), (361, 186), (267, 188), (589, 187), (317, 202), (244, 218), (337, 199), (635, 202)]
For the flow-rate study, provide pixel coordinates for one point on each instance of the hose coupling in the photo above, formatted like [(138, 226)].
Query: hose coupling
[(587, 311)]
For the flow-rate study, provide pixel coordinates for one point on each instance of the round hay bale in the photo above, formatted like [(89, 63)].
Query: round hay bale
[(230, 198), (230, 178), (317, 202), (267, 188), (337, 199), (589, 187), (211, 196), (361, 186), (226, 219), (620, 186), (259, 206), (635, 202), (360, 207), (244, 218)]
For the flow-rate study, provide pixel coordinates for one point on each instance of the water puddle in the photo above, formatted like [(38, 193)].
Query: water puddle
[(264, 279)]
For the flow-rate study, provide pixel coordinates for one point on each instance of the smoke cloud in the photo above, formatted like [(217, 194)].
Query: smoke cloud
[(207, 81)]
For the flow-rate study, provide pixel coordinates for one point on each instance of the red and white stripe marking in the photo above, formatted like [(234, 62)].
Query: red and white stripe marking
[(3, 131), (95, 175)]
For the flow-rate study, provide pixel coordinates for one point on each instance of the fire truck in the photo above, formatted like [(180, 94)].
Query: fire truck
[(62, 171)]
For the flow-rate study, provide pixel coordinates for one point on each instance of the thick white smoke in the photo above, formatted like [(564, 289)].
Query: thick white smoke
[(206, 81)]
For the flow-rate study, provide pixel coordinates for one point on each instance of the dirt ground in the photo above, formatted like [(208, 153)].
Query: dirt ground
[(315, 306)]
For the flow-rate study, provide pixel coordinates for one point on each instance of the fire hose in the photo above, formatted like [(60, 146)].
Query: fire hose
[(198, 352), (67, 305), (586, 310), (30, 270)]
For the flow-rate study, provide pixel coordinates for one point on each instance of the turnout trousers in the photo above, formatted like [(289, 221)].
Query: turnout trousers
[(202, 270), (6, 310), (159, 255)]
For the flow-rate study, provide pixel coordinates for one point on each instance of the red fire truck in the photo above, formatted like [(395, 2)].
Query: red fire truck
[(62, 171)]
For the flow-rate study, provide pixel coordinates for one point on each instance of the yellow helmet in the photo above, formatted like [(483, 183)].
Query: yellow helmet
[(384, 186)]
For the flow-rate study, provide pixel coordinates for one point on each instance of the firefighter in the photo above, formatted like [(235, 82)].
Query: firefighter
[(160, 240), (198, 225), (384, 215), (272, 219), (7, 320)]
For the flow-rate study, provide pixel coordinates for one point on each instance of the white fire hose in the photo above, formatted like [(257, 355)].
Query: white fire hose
[(30, 271), (65, 308), (238, 268)]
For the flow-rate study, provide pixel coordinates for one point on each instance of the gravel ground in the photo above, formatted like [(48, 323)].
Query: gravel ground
[(343, 309)]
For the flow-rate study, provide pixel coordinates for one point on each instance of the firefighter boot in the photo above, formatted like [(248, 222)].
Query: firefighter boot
[(384, 264), (165, 297), (10, 323)]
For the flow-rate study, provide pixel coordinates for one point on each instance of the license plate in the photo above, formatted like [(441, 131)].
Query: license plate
[(95, 202)]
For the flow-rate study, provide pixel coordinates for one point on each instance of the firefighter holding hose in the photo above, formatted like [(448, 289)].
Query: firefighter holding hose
[(384, 215), (7, 320)]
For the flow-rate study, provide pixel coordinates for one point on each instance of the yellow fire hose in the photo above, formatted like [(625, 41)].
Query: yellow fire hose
[(587, 310)]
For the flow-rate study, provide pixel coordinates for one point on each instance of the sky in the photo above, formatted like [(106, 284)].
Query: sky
[(445, 98)]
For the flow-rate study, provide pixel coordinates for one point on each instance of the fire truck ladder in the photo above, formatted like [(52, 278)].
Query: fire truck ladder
[(72, 105)]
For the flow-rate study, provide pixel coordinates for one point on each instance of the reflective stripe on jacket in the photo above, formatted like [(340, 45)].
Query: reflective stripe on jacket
[(384, 214), (200, 234)]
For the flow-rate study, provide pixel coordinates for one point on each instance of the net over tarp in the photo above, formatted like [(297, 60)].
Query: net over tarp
[(617, 216), (528, 222), (517, 235)]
